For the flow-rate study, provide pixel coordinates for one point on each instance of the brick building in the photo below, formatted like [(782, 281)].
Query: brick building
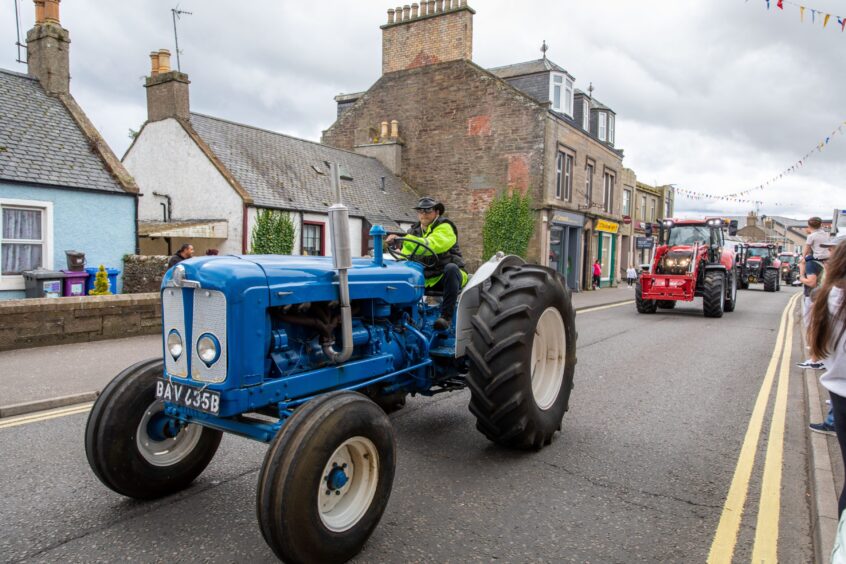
[(467, 134)]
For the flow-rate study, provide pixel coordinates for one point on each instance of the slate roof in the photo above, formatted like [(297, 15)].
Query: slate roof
[(526, 68), (41, 143), (594, 103), (284, 172)]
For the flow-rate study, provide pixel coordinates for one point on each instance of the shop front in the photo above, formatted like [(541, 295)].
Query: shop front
[(565, 236), (606, 250)]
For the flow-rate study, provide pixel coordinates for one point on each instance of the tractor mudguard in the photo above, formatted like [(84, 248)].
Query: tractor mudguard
[(468, 300), (715, 267)]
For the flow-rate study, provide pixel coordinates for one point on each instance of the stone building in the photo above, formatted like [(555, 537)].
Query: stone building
[(468, 134), (651, 204)]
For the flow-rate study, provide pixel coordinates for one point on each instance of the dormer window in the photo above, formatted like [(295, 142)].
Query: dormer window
[(561, 93), (611, 129), (585, 115), (603, 126)]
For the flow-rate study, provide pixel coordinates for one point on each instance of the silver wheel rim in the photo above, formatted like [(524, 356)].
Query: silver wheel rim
[(340, 509), (548, 351), (169, 451)]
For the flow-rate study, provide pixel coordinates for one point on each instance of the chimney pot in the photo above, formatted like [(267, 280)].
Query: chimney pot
[(424, 5), (154, 63), (431, 6), (415, 10), (384, 133), (39, 12), (164, 61), (394, 129), (406, 13), (463, 3), (51, 11), (390, 15), (439, 5), (399, 13)]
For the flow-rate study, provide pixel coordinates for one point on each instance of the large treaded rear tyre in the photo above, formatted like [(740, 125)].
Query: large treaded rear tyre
[(326, 479), (644, 306), (713, 294), (666, 304), (122, 451), (770, 280), (522, 356)]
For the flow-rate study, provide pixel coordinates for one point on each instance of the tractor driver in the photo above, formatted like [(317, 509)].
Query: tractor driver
[(440, 235)]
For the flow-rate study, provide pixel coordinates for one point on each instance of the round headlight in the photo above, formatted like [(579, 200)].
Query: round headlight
[(208, 348), (174, 344)]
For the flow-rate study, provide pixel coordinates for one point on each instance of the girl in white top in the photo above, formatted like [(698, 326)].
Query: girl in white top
[(826, 338)]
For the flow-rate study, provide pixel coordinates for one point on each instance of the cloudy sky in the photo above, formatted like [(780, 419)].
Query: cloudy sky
[(712, 96)]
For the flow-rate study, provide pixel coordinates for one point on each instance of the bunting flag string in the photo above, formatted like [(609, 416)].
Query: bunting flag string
[(825, 17), (695, 195)]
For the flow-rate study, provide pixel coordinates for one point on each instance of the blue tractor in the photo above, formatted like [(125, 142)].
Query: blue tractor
[(307, 354)]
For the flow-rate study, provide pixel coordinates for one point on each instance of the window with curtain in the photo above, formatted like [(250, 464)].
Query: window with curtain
[(602, 126), (564, 177), (22, 243), (627, 201), (313, 239), (608, 195)]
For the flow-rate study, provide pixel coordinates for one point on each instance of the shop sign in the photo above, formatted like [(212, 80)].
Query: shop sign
[(643, 242), (607, 226), (568, 218)]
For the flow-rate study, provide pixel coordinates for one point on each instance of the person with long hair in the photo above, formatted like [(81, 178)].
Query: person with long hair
[(826, 338)]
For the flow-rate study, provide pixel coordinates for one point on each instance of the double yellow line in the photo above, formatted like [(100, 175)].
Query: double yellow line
[(765, 548), (45, 415)]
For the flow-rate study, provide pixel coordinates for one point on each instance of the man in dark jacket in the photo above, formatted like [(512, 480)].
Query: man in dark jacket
[(441, 235), (186, 251)]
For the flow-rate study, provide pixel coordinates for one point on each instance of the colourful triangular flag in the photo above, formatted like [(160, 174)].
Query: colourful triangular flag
[(825, 21), (802, 14)]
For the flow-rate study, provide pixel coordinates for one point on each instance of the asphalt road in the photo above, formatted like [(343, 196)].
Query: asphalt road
[(640, 471)]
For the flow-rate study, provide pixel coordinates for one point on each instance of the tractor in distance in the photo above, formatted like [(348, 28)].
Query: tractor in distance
[(760, 264), (789, 267), (691, 259), (301, 352)]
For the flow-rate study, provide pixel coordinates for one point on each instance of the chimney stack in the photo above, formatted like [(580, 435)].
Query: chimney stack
[(427, 33), (47, 48), (167, 90), (751, 219)]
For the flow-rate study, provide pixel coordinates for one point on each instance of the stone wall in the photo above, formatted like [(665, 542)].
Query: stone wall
[(414, 37), (467, 137), (142, 274), (54, 321)]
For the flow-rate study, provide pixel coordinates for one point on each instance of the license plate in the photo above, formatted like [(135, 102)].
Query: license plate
[(207, 401)]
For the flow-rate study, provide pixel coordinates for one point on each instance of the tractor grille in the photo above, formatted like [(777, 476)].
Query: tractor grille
[(209, 317), (208, 308)]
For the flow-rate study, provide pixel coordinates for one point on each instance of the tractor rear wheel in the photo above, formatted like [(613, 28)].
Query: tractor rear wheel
[(644, 306), (666, 304), (731, 297), (133, 448), (522, 356), (770, 280), (326, 479), (713, 294)]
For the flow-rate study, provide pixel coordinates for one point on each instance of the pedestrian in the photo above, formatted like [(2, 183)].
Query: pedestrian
[(810, 275), (825, 335), (212, 252), (186, 251), (597, 273), (814, 244), (631, 275)]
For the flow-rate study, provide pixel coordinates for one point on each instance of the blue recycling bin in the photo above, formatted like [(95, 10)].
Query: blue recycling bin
[(92, 276)]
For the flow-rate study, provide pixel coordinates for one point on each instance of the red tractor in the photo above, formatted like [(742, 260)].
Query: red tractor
[(691, 260), (760, 263)]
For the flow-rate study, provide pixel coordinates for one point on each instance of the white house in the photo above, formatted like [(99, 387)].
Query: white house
[(203, 179)]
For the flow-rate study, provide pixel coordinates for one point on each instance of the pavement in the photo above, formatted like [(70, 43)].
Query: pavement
[(28, 375)]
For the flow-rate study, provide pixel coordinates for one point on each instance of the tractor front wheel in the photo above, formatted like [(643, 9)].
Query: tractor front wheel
[(770, 280), (326, 479), (644, 306), (731, 297), (134, 448), (713, 294), (522, 356)]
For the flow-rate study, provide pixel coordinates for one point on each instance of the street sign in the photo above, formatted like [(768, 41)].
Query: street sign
[(643, 242)]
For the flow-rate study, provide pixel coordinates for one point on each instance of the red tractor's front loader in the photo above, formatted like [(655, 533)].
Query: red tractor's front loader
[(690, 261)]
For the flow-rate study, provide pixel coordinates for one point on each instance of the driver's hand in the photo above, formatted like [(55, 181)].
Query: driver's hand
[(390, 238)]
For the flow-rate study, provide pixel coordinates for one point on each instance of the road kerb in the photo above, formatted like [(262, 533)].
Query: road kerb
[(43, 405), (604, 305)]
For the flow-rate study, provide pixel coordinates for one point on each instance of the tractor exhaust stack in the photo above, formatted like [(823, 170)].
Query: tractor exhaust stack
[(339, 226)]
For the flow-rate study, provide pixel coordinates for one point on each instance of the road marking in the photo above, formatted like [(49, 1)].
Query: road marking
[(45, 415), (765, 548), (722, 547), (588, 310)]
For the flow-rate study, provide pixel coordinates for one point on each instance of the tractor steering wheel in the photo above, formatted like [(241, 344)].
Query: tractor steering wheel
[(428, 260)]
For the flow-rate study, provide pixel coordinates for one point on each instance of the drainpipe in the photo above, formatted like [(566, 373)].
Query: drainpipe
[(244, 234), (339, 222), (168, 209)]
